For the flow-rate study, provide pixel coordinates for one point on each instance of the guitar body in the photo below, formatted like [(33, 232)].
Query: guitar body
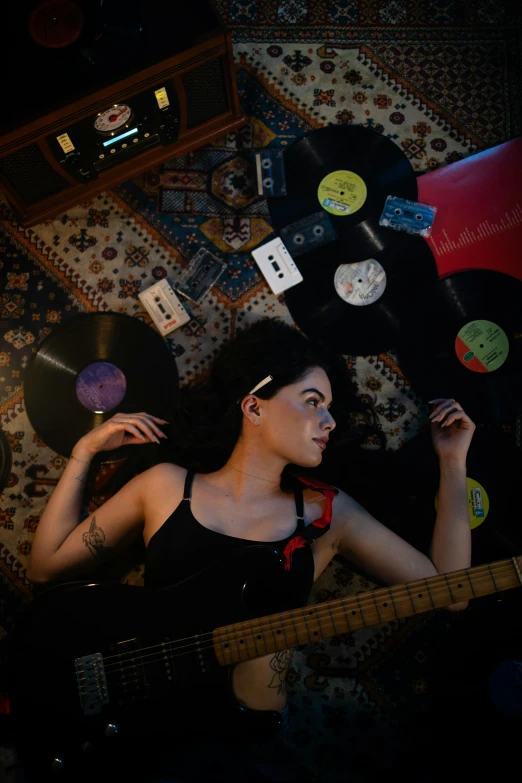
[(95, 667)]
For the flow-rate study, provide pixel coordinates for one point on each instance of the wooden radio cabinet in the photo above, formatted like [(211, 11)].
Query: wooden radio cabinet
[(180, 93)]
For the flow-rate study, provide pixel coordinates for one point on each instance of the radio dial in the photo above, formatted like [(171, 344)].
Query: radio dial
[(112, 119)]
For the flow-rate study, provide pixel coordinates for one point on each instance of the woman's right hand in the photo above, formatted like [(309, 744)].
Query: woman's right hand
[(120, 430)]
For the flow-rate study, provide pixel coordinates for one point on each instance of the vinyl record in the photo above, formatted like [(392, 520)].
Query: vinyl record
[(348, 171), (5, 460), (467, 344), (92, 366), (361, 314)]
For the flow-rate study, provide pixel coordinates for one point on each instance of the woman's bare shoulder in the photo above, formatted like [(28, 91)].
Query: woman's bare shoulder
[(165, 476)]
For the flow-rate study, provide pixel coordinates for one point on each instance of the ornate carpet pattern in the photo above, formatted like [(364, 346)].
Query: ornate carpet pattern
[(441, 79)]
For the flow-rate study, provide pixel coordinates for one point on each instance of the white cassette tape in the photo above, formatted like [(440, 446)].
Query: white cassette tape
[(164, 307), (277, 265)]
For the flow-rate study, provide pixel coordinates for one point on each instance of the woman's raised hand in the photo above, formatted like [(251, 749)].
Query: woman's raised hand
[(120, 430), (451, 429)]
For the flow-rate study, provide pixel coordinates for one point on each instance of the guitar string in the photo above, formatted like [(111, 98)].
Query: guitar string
[(333, 611), (340, 610)]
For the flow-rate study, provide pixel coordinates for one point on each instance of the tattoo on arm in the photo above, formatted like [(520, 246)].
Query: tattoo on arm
[(94, 539), (82, 476), (279, 664)]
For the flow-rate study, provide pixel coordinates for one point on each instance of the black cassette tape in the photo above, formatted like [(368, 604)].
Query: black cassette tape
[(200, 275), (270, 171), (308, 233)]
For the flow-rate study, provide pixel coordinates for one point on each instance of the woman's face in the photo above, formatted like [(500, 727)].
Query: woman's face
[(297, 417)]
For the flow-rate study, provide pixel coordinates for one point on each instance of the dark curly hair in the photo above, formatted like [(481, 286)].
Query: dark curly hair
[(208, 418)]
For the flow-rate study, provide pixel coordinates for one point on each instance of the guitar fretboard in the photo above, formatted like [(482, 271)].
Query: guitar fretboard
[(264, 635)]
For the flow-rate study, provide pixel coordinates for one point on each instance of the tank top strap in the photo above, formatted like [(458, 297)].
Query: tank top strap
[(187, 491), (299, 509)]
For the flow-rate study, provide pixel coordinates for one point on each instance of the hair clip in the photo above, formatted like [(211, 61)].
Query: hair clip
[(259, 386)]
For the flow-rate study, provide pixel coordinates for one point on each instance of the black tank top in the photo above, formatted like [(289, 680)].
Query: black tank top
[(182, 546)]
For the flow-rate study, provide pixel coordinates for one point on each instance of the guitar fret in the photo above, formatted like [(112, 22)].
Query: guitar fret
[(323, 635), (295, 626), (310, 638), (471, 583), (449, 588), (229, 649), (429, 593), (376, 602), (272, 631), (361, 610), (333, 621), (409, 596), (253, 632), (393, 602), (244, 637), (492, 577), (347, 616), (287, 643)]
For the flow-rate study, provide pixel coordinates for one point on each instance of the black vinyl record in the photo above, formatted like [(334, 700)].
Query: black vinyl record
[(5, 460), (394, 285), (91, 367), (430, 354), (372, 161)]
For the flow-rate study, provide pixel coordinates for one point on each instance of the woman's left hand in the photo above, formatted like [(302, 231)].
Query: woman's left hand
[(451, 429)]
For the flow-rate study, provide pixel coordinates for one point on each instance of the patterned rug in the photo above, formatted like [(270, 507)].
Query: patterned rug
[(439, 78)]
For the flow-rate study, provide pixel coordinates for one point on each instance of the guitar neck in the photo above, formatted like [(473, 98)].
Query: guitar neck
[(264, 635)]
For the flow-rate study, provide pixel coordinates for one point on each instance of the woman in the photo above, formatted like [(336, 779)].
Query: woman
[(262, 416)]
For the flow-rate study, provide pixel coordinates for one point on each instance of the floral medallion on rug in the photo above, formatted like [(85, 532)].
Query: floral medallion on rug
[(441, 80)]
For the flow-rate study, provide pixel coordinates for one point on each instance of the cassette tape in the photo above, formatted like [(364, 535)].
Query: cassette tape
[(270, 170), (202, 272), (277, 266), (310, 232), (164, 307), (411, 216)]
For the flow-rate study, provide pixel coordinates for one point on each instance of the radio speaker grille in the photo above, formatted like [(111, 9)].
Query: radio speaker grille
[(31, 175), (206, 93)]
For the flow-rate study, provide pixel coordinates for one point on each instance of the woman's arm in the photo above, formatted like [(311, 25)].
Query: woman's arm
[(385, 555), (62, 512), (62, 545)]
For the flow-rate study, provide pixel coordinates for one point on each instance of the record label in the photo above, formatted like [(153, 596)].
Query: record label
[(482, 346), (478, 503), (100, 387), (360, 284), (342, 192)]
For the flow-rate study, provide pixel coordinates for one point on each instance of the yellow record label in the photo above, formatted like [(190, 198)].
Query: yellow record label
[(342, 192), (478, 502)]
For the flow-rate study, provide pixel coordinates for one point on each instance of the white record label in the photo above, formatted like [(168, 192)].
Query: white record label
[(360, 284)]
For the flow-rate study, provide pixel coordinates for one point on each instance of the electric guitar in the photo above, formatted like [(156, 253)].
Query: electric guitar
[(94, 663)]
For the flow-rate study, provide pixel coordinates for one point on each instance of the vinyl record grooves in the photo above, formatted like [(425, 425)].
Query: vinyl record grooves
[(429, 356), (373, 161), (137, 373), (319, 310)]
